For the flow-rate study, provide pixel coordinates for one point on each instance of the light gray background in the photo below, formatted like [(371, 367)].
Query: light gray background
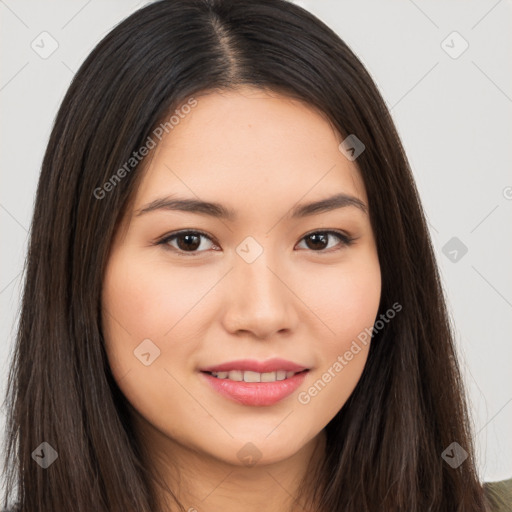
[(453, 115)]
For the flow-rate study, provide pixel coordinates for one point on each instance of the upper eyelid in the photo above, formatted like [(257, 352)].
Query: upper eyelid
[(186, 231)]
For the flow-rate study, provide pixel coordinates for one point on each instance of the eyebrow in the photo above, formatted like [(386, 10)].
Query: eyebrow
[(220, 211)]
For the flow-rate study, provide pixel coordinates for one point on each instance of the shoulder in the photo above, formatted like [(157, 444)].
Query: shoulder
[(499, 495)]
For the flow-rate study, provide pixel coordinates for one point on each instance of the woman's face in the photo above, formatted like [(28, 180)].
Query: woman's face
[(265, 282)]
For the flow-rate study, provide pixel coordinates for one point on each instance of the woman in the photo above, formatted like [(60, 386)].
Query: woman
[(231, 297)]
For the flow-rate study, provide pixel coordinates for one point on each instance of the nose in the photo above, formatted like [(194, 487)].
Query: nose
[(259, 299)]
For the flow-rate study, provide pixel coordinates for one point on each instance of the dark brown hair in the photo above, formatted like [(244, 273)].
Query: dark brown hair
[(384, 446)]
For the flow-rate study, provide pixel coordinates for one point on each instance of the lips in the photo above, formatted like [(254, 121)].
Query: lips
[(255, 383)]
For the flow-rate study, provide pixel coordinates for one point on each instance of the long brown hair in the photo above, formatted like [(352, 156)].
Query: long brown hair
[(384, 446)]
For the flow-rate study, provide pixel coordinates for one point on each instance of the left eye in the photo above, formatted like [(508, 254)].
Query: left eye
[(319, 239), (190, 241)]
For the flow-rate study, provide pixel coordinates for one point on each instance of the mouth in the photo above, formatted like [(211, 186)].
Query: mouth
[(255, 383)]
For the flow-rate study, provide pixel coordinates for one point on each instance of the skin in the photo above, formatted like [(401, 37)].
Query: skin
[(260, 154)]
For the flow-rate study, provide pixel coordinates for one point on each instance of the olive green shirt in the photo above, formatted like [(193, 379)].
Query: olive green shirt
[(499, 495)]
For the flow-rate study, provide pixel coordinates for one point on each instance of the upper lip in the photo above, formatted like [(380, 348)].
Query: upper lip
[(271, 365)]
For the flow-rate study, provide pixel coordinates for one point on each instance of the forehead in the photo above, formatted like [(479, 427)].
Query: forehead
[(250, 148)]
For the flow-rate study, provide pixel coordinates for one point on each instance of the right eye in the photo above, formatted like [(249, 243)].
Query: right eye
[(186, 243)]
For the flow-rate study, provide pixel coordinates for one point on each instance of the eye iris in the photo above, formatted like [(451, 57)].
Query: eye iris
[(190, 247), (316, 237)]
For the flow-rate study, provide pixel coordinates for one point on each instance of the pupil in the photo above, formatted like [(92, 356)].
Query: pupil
[(189, 246), (316, 238)]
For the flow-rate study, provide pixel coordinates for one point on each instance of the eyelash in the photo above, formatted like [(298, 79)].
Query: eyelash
[(346, 241)]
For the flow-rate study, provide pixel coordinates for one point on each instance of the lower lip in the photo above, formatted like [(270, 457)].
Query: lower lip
[(256, 393)]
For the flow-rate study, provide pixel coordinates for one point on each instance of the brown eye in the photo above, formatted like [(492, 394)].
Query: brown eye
[(319, 240), (187, 242)]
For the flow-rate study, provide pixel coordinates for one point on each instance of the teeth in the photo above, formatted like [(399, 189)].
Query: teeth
[(236, 375), (252, 376), (248, 376)]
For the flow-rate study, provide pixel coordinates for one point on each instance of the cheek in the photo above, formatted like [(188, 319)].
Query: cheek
[(151, 299), (345, 299), (143, 300)]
